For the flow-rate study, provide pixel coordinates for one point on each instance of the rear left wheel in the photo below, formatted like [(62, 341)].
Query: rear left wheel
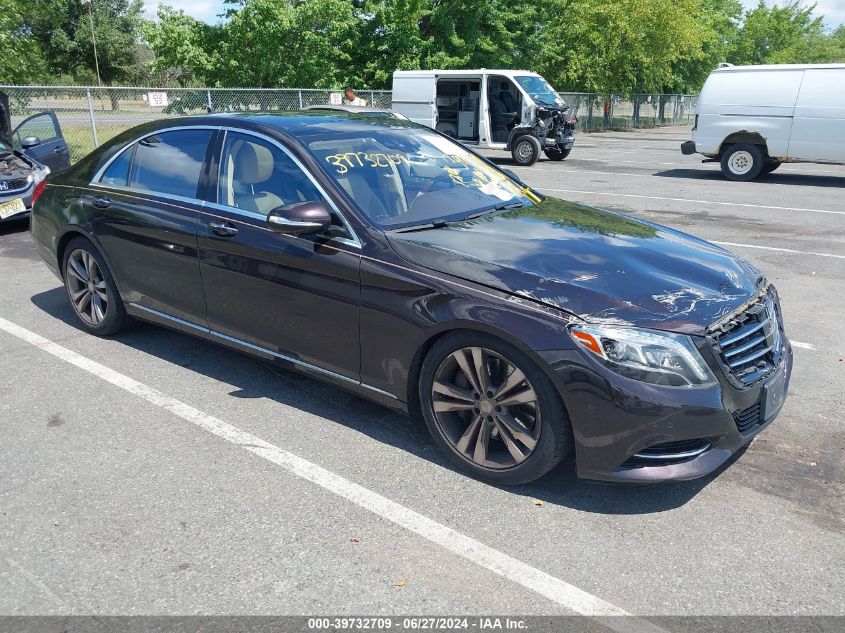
[(492, 410), (91, 289)]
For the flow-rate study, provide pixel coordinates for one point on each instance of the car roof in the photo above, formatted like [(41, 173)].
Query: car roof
[(306, 122), (771, 67)]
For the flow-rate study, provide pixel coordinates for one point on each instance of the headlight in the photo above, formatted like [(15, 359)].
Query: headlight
[(41, 174), (660, 358)]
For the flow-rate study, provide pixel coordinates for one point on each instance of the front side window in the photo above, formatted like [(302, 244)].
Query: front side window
[(170, 162), (406, 175), (257, 176), (41, 126)]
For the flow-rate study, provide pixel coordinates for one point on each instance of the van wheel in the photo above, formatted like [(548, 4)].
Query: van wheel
[(525, 150), (556, 153), (743, 161)]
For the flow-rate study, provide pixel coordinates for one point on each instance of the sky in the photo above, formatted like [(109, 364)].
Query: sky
[(207, 10)]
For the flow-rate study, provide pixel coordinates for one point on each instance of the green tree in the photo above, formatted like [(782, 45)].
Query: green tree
[(782, 34), (180, 46), (63, 30), (619, 45), (21, 60)]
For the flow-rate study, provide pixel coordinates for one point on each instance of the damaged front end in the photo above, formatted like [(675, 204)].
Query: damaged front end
[(20, 175)]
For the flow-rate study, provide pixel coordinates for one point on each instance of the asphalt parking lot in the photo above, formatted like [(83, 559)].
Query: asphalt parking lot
[(157, 474)]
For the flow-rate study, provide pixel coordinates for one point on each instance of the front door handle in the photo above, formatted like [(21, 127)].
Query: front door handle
[(223, 229), (102, 202)]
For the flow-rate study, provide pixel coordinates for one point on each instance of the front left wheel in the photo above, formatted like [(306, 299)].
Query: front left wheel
[(525, 150), (492, 410), (91, 289)]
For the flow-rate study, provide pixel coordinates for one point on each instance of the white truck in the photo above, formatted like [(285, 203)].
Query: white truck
[(514, 110), (754, 118)]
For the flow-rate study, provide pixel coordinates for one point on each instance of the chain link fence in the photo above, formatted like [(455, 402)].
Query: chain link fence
[(90, 116)]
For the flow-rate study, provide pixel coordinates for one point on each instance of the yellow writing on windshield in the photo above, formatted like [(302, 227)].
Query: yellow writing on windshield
[(348, 160)]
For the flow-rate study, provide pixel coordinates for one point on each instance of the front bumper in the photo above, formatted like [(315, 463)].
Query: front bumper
[(26, 196), (688, 148), (619, 424)]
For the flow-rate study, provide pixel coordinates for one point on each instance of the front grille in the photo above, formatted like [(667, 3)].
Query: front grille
[(14, 185), (747, 419), (749, 344)]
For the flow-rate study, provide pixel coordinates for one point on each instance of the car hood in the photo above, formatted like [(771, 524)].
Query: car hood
[(602, 266), (5, 120)]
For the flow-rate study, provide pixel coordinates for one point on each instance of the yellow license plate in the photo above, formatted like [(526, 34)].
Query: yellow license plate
[(12, 207)]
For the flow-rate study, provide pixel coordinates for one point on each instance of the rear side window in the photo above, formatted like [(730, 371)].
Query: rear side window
[(117, 173), (170, 162)]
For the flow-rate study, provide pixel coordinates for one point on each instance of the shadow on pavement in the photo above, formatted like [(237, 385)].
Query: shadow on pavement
[(252, 378), (775, 178)]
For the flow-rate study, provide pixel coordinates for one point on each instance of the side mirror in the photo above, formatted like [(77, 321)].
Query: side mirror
[(30, 141), (300, 218)]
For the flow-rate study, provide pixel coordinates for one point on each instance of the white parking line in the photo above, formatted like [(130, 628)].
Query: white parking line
[(531, 578), (782, 250), (802, 345), (730, 204)]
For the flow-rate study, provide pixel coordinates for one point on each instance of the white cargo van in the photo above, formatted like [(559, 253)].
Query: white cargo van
[(753, 118), (514, 110)]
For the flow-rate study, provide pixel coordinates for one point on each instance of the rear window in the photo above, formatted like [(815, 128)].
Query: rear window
[(170, 162)]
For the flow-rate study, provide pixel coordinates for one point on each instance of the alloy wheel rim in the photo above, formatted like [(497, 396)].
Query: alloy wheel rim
[(486, 408), (87, 287), (741, 162)]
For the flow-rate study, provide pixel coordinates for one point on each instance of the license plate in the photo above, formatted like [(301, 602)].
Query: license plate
[(8, 209), (775, 394)]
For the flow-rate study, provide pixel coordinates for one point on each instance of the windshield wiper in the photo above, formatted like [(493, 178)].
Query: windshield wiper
[(494, 209), (440, 224)]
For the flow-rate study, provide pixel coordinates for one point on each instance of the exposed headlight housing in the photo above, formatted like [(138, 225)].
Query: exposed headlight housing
[(660, 358)]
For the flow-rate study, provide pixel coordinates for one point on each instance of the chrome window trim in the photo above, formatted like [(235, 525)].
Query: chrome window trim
[(196, 202), (258, 348), (176, 128), (95, 181), (353, 241)]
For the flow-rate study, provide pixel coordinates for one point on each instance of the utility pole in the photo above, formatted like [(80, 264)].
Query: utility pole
[(93, 38)]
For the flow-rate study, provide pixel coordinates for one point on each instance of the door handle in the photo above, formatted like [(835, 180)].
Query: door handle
[(60, 150), (102, 202), (223, 229)]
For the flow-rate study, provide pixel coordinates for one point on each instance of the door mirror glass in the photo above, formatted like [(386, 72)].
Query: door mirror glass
[(300, 218), (30, 141)]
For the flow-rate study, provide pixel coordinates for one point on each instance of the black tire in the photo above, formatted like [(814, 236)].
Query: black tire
[(111, 316), (549, 427), (556, 153), (525, 150), (743, 161), (771, 166)]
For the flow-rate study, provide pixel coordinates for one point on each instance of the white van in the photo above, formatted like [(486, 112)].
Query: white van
[(753, 118), (514, 110)]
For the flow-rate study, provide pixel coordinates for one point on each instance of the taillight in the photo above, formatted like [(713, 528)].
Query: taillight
[(39, 189)]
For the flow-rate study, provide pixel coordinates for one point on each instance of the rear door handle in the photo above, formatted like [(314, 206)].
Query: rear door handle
[(60, 150), (223, 229), (102, 202)]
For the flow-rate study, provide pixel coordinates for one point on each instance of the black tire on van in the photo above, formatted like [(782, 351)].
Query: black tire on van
[(743, 161), (525, 150)]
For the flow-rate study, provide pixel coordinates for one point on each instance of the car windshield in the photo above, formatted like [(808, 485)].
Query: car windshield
[(540, 90), (407, 176)]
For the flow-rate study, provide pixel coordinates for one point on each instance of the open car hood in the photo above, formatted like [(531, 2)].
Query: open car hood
[(5, 120), (601, 266)]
